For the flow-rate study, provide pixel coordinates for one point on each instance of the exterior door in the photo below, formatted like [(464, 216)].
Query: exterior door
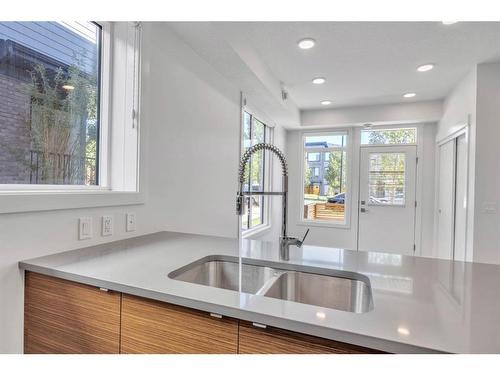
[(387, 199)]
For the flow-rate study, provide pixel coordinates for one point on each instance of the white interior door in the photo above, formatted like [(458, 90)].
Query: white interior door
[(446, 200), (460, 199), (387, 199)]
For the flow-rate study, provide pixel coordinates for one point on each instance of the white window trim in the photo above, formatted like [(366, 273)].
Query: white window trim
[(27, 198), (348, 197)]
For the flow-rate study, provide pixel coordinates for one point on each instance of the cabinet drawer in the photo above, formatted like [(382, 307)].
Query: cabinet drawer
[(62, 316), (150, 326), (272, 340)]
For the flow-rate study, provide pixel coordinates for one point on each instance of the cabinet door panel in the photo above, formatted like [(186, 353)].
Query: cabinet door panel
[(62, 316), (272, 340), (150, 326)]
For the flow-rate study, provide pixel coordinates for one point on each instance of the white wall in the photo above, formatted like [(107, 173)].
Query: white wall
[(487, 169), (385, 114), (199, 139)]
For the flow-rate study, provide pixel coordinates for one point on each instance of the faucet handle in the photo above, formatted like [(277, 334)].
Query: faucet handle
[(304, 238)]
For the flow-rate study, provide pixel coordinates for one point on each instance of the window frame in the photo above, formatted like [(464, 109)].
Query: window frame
[(348, 132), (267, 174), (113, 113)]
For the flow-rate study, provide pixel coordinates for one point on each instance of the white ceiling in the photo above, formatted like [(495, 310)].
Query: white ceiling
[(368, 62)]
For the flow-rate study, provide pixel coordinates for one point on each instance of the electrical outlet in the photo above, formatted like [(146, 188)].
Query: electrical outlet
[(107, 225), (131, 225), (85, 228), (489, 207)]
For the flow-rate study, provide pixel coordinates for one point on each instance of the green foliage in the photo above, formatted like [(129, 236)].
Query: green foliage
[(390, 177), (335, 173), (395, 136), (307, 174)]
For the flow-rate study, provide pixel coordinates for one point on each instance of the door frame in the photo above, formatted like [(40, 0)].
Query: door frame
[(463, 129), (418, 207)]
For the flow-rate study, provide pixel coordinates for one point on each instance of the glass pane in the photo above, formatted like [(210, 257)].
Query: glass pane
[(247, 143), (254, 132), (257, 160), (49, 93), (389, 136), (325, 181), (386, 178), (257, 210), (244, 217)]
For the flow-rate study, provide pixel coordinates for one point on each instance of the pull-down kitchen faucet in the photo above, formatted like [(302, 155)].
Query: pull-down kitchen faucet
[(284, 240)]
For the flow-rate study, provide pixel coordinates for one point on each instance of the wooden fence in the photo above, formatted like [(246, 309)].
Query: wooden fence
[(324, 211), (311, 190)]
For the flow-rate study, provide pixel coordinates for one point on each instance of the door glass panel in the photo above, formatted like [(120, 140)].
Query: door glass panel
[(386, 179)]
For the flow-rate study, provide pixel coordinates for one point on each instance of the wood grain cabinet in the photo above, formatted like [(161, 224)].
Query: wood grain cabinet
[(67, 317), (61, 316), (156, 327), (270, 340)]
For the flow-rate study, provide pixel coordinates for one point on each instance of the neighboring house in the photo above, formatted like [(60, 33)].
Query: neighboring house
[(318, 165), (20, 46)]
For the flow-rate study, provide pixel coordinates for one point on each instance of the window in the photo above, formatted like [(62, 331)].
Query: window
[(50, 77), (313, 156), (386, 179), (389, 136), (254, 131), (325, 177)]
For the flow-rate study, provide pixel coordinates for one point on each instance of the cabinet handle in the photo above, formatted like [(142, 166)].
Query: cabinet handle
[(104, 289), (259, 325), (214, 315)]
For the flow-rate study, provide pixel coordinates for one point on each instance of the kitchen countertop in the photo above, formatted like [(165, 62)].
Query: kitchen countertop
[(421, 305)]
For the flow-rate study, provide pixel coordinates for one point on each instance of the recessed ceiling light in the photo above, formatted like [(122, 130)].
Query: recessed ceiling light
[(449, 22), (425, 67), (68, 87), (306, 43), (326, 102), (319, 80), (409, 95)]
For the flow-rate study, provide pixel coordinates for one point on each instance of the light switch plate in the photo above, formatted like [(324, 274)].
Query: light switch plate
[(85, 228), (107, 225), (131, 224)]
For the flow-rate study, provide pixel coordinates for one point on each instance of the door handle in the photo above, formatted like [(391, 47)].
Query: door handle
[(362, 209)]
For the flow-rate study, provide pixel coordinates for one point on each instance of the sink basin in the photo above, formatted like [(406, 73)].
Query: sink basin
[(320, 290), (334, 289), (224, 274)]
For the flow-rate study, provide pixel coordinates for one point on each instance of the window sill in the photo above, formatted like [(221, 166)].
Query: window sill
[(326, 224), (49, 200), (261, 229)]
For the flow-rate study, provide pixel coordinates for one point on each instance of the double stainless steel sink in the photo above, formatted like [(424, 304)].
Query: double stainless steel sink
[(334, 289)]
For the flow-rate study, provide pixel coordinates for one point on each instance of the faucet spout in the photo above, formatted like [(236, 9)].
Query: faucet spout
[(284, 240)]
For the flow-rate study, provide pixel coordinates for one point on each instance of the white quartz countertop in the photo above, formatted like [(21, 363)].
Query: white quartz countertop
[(420, 304)]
